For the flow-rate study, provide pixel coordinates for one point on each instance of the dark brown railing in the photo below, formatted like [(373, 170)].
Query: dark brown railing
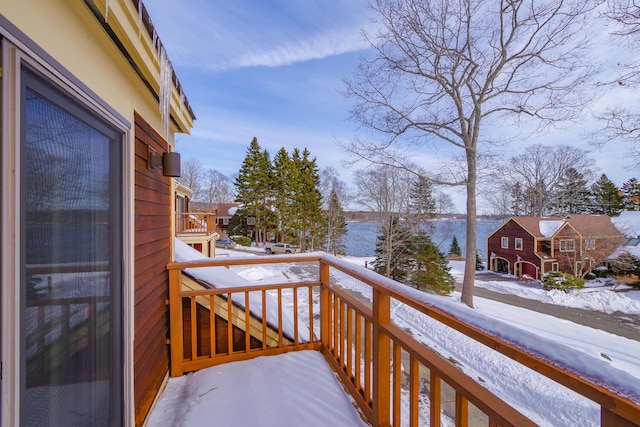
[(370, 354)]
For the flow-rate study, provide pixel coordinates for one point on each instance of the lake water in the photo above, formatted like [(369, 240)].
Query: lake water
[(361, 236)]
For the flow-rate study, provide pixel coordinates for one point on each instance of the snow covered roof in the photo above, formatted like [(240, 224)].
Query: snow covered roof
[(532, 224), (628, 222), (549, 227)]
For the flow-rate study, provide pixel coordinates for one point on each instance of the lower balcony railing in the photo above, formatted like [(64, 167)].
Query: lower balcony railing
[(382, 366)]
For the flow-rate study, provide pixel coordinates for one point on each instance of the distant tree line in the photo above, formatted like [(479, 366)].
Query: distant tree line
[(556, 180)]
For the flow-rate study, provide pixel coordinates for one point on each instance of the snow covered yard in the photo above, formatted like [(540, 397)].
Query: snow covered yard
[(544, 401)]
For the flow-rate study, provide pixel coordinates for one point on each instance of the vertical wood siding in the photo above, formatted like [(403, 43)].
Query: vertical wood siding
[(152, 253)]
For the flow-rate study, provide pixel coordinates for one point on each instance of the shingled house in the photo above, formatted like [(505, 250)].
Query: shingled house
[(532, 246)]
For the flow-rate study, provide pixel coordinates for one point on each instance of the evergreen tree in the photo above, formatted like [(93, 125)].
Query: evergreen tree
[(283, 194), (605, 197), (430, 268), (422, 204), (336, 225), (306, 212), (253, 187), (454, 249), (631, 195), (572, 195), (393, 251), (479, 262)]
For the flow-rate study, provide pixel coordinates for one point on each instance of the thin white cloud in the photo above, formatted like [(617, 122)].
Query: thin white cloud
[(318, 47)]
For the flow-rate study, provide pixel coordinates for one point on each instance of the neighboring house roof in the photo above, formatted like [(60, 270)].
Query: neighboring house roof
[(593, 225), (181, 189), (227, 209), (585, 225), (628, 223), (539, 227)]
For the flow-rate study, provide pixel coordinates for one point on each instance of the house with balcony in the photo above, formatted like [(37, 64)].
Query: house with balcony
[(197, 229), (532, 246), (97, 311)]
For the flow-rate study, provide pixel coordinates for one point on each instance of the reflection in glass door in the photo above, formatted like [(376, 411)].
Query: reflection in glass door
[(71, 260)]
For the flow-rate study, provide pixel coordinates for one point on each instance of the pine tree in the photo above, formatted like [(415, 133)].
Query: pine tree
[(336, 225), (605, 197), (283, 194), (393, 251), (631, 195), (253, 187), (306, 208), (430, 268), (422, 204), (454, 249), (572, 195), (479, 262)]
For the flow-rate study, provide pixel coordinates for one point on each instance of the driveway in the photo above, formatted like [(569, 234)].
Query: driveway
[(622, 324)]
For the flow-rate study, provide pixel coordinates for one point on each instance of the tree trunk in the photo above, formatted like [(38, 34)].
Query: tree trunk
[(470, 249)]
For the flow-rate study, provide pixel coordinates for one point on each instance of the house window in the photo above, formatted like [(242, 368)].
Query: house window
[(71, 284), (504, 242), (567, 245), (251, 220), (554, 266), (225, 221), (590, 244), (518, 244)]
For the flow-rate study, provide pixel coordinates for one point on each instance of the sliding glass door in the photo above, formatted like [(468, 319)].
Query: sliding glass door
[(71, 260)]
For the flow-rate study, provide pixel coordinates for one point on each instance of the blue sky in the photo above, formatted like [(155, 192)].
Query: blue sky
[(274, 69), (271, 69)]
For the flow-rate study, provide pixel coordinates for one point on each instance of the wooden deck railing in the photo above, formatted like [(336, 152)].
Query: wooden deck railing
[(371, 355), (195, 223)]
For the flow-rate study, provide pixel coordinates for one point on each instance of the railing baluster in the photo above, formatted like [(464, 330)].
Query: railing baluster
[(229, 323), (381, 358), (414, 372), (336, 337), (311, 331), (341, 328), (397, 384), (176, 323), (349, 352), (462, 410), (435, 398), (358, 351), (367, 361), (212, 325), (264, 319), (295, 316), (194, 328), (247, 323), (280, 333)]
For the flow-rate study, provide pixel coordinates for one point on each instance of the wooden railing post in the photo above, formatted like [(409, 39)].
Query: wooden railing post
[(381, 359), (175, 323), (325, 307)]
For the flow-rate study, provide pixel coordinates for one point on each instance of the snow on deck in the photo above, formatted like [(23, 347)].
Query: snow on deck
[(297, 388)]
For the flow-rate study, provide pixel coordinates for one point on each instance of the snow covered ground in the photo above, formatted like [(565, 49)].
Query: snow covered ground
[(605, 358)]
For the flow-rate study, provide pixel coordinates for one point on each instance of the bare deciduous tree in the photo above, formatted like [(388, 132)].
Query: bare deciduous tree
[(442, 68), (386, 191), (217, 188), (192, 175), (621, 122), (540, 170)]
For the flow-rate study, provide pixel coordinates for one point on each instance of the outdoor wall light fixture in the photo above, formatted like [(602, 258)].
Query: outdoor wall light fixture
[(168, 161)]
